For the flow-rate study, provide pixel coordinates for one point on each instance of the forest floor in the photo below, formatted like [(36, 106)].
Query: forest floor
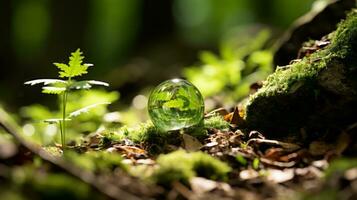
[(259, 167)]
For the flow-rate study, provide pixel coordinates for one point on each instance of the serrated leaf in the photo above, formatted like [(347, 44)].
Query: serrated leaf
[(55, 120), (86, 84), (53, 90), (94, 82), (85, 109), (174, 103), (44, 81), (74, 67)]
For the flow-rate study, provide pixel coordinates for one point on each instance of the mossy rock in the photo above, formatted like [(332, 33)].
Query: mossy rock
[(182, 166), (315, 93)]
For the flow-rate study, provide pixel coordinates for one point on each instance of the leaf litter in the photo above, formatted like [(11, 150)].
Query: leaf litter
[(262, 168)]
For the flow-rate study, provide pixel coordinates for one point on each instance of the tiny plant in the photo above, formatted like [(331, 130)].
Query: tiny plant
[(62, 87)]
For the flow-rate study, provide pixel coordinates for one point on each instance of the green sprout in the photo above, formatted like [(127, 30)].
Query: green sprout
[(62, 87)]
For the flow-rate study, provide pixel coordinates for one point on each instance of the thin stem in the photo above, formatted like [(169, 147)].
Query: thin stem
[(60, 126), (64, 103), (63, 126)]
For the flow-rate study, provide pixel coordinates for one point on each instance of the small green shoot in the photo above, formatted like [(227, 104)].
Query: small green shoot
[(62, 87), (256, 163), (241, 160)]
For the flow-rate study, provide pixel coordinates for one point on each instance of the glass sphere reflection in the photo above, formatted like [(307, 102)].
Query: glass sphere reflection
[(175, 104)]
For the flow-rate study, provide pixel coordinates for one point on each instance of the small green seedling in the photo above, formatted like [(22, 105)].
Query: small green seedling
[(62, 87)]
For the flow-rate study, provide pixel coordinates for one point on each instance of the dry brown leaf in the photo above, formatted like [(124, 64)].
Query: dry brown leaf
[(219, 111), (235, 117), (191, 143), (129, 151)]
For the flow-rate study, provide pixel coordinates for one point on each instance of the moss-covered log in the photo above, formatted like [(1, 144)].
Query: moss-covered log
[(316, 92)]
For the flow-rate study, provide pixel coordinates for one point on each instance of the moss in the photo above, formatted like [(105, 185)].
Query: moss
[(298, 95), (181, 166), (216, 122), (147, 133)]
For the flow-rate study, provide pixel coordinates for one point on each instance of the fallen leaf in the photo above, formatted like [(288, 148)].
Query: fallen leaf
[(201, 185), (234, 117), (130, 151), (211, 144), (248, 174), (219, 111), (191, 143), (279, 176)]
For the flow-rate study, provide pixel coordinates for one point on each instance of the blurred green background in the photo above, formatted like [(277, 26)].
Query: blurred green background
[(132, 43)]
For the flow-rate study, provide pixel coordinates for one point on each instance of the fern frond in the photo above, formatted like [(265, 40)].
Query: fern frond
[(74, 67), (86, 84), (86, 109), (55, 120), (44, 81), (53, 90), (94, 82)]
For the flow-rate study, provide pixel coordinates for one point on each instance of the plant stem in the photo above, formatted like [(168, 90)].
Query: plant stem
[(63, 126), (64, 104), (60, 126)]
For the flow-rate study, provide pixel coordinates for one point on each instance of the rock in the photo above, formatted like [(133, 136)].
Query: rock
[(315, 93)]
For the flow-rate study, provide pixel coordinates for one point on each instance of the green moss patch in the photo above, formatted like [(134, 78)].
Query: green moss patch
[(305, 93), (181, 166)]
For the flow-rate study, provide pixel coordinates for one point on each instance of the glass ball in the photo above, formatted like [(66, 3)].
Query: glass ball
[(175, 104)]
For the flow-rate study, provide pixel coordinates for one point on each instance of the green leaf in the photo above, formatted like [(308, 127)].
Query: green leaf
[(86, 84), (74, 67), (174, 103), (55, 120), (241, 160), (44, 81), (85, 109), (53, 90), (255, 163)]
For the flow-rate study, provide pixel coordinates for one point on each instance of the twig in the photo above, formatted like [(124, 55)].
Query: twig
[(285, 145)]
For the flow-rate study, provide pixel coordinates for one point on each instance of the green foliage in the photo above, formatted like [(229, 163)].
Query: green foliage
[(181, 166), (45, 133), (237, 67), (340, 165), (74, 68), (256, 163), (241, 160)]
